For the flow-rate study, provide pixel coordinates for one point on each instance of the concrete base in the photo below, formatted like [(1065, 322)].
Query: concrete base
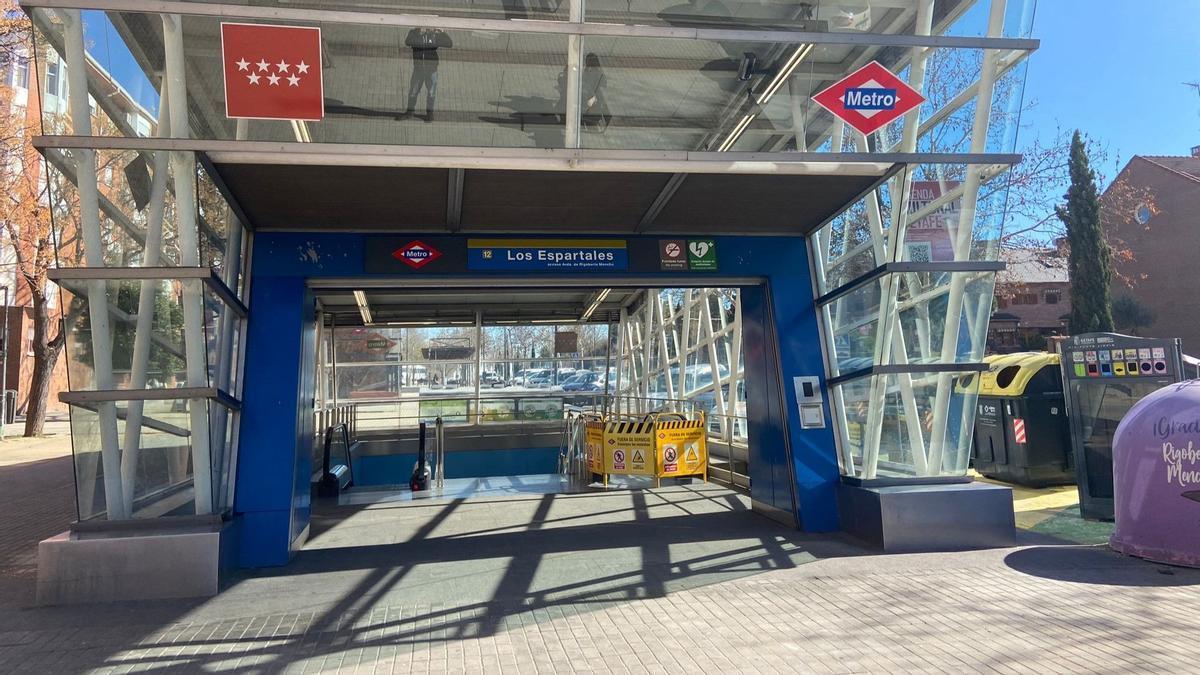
[(914, 518), (129, 564)]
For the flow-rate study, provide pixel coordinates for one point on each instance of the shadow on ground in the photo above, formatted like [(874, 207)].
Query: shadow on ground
[(1097, 565)]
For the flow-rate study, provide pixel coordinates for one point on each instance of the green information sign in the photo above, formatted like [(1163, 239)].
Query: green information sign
[(702, 255)]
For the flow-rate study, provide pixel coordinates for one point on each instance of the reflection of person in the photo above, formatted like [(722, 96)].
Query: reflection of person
[(593, 106), (424, 43)]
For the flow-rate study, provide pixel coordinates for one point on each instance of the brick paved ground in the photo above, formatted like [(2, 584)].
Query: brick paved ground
[(672, 580), (36, 482)]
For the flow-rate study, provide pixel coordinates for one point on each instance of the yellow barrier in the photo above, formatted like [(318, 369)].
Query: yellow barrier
[(629, 448), (659, 448), (682, 448), (593, 438)]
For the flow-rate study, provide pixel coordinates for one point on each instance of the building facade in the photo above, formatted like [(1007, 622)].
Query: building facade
[(1159, 234), (467, 151), (1033, 300)]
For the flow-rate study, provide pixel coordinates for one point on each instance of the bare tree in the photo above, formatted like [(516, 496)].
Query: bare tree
[(25, 211)]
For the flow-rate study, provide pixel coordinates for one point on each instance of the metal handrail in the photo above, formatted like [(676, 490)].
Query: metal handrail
[(439, 454)]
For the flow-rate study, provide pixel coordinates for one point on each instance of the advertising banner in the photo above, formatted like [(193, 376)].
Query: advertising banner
[(928, 239), (547, 255)]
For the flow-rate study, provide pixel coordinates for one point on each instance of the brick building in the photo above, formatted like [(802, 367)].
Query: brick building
[(1033, 300), (1164, 238)]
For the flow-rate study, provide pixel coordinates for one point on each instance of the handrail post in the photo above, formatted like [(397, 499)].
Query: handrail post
[(440, 453)]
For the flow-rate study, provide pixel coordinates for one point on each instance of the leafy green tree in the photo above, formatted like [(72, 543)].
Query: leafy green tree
[(1090, 264), (1130, 315)]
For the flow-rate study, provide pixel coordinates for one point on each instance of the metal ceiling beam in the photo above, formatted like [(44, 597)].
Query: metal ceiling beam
[(660, 202), (454, 199), (533, 159)]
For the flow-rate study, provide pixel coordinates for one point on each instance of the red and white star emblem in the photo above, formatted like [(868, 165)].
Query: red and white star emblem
[(272, 72)]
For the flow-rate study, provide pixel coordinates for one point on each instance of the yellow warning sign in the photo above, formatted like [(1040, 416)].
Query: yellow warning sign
[(638, 462), (627, 445), (682, 448), (594, 442)]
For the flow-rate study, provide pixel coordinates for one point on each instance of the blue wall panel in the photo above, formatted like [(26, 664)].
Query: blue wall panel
[(792, 469), (270, 444)]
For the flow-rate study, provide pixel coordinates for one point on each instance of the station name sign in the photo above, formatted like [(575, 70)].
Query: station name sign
[(554, 255)]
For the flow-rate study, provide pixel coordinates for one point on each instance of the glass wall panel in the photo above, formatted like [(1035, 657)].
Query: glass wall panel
[(543, 10), (157, 479), (915, 440), (396, 86), (943, 315), (222, 235), (937, 230), (895, 17), (124, 180), (166, 365), (848, 246), (854, 321), (124, 101)]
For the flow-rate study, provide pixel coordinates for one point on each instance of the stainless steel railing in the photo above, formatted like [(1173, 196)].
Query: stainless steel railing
[(375, 419)]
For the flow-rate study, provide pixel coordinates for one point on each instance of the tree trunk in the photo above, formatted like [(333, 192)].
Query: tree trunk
[(45, 357), (39, 391)]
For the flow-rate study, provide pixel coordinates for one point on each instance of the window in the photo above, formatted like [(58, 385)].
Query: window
[(1051, 297), (52, 72), (1025, 299), (21, 73)]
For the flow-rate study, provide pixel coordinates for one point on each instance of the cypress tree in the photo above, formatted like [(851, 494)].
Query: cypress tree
[(1090, 264)]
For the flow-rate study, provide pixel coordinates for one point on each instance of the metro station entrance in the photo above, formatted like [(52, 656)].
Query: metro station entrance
[(504, 378), (511, 358), (509, 375)]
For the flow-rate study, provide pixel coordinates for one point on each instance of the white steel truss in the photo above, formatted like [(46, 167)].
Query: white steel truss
[(681, 350)]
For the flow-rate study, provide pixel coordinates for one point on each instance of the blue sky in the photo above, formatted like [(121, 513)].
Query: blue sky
[(1115, 69)]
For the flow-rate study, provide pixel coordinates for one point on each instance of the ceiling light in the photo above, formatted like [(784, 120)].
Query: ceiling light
[(600, 297), (784, 73), (737, 132), (364, 310)]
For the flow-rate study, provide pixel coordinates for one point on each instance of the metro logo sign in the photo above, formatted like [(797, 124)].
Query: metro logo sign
[(416, 254), (272, 72), (869, 98)]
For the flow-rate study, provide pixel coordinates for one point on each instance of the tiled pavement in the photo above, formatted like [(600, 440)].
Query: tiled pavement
[(673, 580)]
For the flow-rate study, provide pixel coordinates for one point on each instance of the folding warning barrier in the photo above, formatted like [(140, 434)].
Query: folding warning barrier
[(682, 450), (593, 439), (629, 448), (659, 448)]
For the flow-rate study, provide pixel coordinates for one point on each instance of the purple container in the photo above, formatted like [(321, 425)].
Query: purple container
[(1156, 477)]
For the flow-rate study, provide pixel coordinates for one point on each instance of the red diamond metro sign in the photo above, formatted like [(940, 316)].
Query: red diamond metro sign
[(416, 254), (869, 98)]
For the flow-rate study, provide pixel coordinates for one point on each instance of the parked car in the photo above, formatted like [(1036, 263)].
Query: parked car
[(582, 380), (492, 380), (540, 380), (528, 375)]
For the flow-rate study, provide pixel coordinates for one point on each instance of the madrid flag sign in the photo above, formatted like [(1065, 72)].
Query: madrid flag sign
[(869, 98), (272, 72)]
